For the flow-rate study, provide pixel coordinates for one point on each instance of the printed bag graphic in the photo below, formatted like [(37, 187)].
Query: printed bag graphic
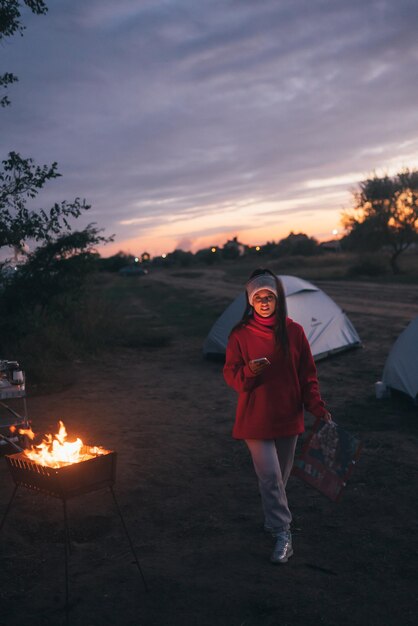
[(327, 458)]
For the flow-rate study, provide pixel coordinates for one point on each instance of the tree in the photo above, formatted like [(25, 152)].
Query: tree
[(297, 244), (10, 24), (115, 262), (52, 277), (385, 213), (233, 249), (180, 257), (209, 256), (56, 268), (20, 181)]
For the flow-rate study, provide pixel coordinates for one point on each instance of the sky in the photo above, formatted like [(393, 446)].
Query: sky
[(185, 123)]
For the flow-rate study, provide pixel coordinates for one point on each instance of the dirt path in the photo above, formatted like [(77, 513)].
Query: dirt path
[(371, 299), (360, 297)]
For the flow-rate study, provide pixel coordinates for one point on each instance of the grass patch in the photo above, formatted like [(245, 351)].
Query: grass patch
[(188, 274), (99, 321), (157, 312), (327, 266), (324, 266), (370, 266), (186, 313)]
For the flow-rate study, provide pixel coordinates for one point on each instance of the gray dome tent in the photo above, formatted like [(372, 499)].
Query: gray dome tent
[(401, 368), (326, 326)]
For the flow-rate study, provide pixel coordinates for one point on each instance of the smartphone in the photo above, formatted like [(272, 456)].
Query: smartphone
[(262, 359)]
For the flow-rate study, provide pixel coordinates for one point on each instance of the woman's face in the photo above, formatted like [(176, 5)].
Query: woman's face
[(264, 303)]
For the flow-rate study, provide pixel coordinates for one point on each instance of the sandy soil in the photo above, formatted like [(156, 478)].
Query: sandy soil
[(190, 500)]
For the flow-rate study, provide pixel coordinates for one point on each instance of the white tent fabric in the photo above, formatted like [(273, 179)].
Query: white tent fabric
[(401, 368), (326, 326)]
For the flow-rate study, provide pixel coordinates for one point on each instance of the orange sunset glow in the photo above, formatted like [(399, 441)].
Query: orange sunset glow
[(191, 236), (315, 208)]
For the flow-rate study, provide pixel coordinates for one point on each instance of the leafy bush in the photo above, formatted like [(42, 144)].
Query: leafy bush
[(115, 263), (40, 321), (296, 245)]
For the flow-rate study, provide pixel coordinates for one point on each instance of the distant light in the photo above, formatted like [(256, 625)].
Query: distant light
[(335, 231), (213, 249), (136, 259), (164, 256), (258, 248)]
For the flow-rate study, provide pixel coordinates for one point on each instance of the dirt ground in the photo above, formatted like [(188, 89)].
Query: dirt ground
[(190, 500)]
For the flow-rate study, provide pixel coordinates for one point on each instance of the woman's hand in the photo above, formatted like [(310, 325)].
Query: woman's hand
[(257, 366), (327, 417)]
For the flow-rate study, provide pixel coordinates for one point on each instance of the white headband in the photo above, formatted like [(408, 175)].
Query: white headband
[(262, 281)]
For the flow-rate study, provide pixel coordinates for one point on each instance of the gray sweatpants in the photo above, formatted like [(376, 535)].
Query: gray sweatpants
[(273, 461)]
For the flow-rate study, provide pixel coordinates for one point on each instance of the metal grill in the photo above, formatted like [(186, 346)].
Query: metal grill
[(64, 482)]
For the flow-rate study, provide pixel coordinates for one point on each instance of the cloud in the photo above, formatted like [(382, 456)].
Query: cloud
[(164, 113)]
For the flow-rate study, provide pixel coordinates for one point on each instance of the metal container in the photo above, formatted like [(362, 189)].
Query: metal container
[(67, 481)]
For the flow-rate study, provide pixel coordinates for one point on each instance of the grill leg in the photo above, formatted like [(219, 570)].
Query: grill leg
[(129, 538), (67, 552), (8, 507)]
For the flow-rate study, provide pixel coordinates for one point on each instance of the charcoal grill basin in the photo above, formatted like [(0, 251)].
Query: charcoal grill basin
[(64, 482)]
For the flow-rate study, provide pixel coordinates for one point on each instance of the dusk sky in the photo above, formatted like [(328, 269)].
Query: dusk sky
[(187, 122)]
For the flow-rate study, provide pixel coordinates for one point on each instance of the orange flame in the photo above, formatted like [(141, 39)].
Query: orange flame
[(28, 432), (55, 451)]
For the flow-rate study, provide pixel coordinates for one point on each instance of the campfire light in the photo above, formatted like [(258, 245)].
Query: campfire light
[(26, 432), (65, 469), (56, 451)]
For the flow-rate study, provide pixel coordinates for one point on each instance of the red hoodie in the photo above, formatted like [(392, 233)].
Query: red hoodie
[(270, 405)]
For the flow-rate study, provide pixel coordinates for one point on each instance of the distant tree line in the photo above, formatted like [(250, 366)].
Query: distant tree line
[(384, 216), (293, 244)]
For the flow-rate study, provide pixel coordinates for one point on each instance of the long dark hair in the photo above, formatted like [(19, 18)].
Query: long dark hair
[(280, 330)]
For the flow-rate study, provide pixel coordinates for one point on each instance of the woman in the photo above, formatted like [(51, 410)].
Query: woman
[(270, 364)]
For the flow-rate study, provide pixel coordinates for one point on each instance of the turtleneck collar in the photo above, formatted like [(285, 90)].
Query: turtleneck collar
[(264, 321)]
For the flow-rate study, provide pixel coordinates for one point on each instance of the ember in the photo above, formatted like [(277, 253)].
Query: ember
[(56, 451)]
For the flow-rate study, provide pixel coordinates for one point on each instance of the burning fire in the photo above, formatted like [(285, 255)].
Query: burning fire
[(55, 451), (28, 432)]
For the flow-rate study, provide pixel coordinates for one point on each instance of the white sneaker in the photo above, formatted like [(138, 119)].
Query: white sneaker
[(283, 549)]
